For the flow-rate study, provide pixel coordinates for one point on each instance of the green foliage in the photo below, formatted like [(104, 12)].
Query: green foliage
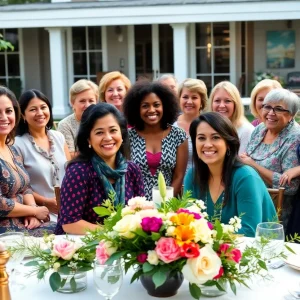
[(12, 2), (4, 45), (195, 291), (259, 76)]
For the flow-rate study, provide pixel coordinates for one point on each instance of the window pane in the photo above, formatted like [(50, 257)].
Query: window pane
[(16, 86), (80, 64), (95, 63), (95, 38), (221, 34), (2, 65), (207, 81), (222, 60), (78, 35), (203, 60), (94, 79), (11, 35), (2, 81), (221, 78), (203, 32), (243, 33), (13, 65), (166, 54)]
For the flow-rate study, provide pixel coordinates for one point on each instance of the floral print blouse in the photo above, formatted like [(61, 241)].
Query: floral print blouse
[(280, 155)]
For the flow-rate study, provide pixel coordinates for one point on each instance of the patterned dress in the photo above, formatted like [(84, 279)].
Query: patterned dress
[(278, 157), (167, 163), (13, 186), (82, 190)]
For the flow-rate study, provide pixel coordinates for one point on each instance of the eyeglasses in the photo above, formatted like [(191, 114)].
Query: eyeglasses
[(276, 109)]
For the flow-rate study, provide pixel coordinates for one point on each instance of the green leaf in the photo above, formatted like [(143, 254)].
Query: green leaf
[(115, 256), (136, 275), (101, 211), (63, 282), (65, 270), (85, 268), (233, 287), (219, 229), (290, 249), (73, 284), (41, 273), (147, 267), (195, 291), (262, 264), (155, 236), (141, 232), (55, 281), (159, 278), (31, 263), (220, 287), (113, 279)]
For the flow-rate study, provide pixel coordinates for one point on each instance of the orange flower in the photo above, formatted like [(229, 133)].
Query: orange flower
[(184, 234), (182, 219)]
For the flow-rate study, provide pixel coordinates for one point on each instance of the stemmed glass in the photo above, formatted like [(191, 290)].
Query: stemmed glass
[(11, 239), (108, 278), (270, 237)]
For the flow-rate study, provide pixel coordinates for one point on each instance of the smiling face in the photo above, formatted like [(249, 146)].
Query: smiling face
[(106, 138), (190, 102), (151, 110), (276, 121), (7, 116), (223, 103), (37, 114), (82, 101), (211, 147), (259, 99), (115, 93)]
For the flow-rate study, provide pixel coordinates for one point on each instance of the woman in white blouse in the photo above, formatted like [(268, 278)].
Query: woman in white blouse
[(44, 151)]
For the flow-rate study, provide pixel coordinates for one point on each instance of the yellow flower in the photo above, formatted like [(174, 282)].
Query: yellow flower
[(184, 234), (162, 185), (182, 219)]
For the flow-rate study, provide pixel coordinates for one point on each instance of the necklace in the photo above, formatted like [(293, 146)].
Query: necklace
[(217, 208)]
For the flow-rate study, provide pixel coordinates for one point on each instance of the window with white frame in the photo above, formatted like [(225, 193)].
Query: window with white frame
[(10, 75), (87, 52), (212, 53)]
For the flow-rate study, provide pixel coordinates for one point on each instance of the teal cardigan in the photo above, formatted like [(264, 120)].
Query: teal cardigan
[(248, 195)]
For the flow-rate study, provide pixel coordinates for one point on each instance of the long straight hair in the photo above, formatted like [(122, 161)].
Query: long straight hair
[(227, 131)]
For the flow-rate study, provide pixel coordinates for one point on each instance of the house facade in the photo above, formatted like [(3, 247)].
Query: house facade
[(60, 42)]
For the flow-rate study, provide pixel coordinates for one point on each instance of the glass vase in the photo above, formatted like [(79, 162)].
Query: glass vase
[(213, 291), (168, 289), (74, 283)]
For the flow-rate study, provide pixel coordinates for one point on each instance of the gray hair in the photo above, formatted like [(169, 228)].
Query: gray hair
[(289, 98), (166, 76)]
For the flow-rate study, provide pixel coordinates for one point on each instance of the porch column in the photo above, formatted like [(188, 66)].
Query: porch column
[(180, 46), (60, 99), (131, 53)]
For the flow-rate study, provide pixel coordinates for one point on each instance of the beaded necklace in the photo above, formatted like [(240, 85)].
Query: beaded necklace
[(216, 215)]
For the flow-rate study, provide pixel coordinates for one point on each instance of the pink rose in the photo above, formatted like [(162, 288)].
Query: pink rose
[(104, 250), (64, 249), (167, 250), (233, 254)]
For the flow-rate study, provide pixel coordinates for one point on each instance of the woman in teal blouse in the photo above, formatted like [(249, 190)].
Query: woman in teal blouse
[(227, 187)]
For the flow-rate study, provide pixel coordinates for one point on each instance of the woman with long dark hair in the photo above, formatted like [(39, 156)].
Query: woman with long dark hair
[(218, 177), (100, 169)]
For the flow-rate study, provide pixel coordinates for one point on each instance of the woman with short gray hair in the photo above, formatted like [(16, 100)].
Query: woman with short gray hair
[(272, 147)]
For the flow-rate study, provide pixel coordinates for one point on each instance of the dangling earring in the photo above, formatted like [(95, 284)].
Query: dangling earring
[(90, 146), (24, 121), (228, 152)]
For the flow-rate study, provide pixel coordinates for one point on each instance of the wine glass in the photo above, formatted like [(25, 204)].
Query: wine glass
[(270, 239), (108, 278), (11, 239)]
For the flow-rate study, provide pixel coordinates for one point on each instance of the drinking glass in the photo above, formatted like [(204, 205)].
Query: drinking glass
[(156, 194), (108, 278), (272, 233), (11, 239)]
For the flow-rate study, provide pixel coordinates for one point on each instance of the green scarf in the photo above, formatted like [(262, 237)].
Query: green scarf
[(105, 172)]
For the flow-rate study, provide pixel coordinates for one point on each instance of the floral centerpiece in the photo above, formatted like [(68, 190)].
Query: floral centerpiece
[(66, 259), (259, 76), (175, 237)]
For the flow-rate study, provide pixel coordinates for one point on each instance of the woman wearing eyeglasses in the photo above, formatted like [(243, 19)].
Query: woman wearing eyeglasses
[(272, 147)]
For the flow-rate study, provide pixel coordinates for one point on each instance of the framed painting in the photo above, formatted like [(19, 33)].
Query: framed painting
[(281, 49)]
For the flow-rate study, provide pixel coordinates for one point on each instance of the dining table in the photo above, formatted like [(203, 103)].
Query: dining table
[(277, 287)]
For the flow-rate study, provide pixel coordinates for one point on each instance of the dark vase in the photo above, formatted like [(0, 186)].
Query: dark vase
[(168, 289)]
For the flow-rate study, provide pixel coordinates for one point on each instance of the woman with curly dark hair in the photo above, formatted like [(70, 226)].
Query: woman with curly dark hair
[(156, 145), (221, 180)]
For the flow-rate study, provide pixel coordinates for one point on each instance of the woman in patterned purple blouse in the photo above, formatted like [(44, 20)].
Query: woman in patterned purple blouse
[(100, 169)]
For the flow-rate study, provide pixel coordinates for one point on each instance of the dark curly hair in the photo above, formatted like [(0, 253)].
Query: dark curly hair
[(227, 131), (4, 91), (138, 92), (89, 117), (24, 100)]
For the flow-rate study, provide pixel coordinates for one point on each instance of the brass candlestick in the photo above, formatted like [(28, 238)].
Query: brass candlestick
[(4, 288)]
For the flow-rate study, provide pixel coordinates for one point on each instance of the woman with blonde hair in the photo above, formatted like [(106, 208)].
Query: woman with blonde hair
[(225, 99), (258, 95), (83, 93), (193, 99), (113, 88)]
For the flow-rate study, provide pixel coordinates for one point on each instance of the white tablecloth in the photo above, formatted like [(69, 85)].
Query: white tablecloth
[(284, 278)]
